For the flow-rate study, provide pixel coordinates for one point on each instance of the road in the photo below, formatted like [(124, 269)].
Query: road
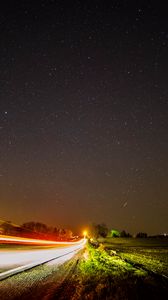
[(15, 261)]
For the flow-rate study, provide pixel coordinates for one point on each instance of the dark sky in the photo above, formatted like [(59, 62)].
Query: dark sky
[(84, 113)]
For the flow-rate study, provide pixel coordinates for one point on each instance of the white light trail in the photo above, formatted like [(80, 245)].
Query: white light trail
[(21, 260), (11, 239)]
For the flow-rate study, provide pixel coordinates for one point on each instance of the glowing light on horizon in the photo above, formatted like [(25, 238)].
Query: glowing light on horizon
[(85, 233)]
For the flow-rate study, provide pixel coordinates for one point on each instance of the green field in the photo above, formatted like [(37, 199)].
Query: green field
[(150, 254)]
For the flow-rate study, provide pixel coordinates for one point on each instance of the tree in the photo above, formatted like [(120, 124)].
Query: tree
[(124, 234), (115, 233), (42, 231), (6, 228), (141, 235), (68, 233), (36, 227), (99, 230)]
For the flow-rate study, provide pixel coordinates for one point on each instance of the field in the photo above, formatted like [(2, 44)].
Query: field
[(126, 269), (150, 254), (117, 269)]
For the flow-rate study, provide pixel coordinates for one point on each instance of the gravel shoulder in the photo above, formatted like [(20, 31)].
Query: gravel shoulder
[(41, 282)]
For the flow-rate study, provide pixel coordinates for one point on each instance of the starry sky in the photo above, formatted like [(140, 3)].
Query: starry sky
[(84, 113)]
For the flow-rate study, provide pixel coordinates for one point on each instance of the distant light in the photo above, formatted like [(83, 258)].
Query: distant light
[(85, 233)]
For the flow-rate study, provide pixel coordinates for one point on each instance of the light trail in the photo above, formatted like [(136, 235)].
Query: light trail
[(20, 260), (12, 239)]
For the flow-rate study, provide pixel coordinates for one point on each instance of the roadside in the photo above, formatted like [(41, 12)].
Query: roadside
[(40, 282)]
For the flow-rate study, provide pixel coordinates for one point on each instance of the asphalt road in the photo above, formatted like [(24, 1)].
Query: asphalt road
[(48, 281), (15, 261)]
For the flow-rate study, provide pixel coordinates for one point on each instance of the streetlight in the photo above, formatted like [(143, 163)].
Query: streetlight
[(84, 233)]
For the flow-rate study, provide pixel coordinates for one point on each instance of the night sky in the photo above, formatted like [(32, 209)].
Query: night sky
[(84, 113)]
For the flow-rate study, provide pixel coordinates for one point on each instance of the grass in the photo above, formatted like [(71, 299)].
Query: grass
[(97, 262), (104, 274)]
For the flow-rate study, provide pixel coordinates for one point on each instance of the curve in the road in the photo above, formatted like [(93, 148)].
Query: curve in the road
[(69, 251)]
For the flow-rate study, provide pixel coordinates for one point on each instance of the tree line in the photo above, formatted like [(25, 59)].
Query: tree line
[(101, 230), (35, 230)]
